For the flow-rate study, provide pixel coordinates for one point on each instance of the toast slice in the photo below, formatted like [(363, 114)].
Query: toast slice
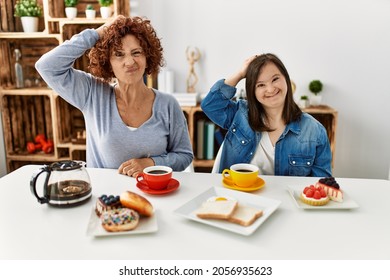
[(217, 209), (245, 215)]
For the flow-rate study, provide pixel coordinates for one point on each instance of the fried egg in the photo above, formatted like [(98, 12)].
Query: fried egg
[(221, 198)]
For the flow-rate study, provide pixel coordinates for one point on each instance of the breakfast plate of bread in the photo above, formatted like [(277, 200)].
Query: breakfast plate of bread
[(128, 213), (229, 210)]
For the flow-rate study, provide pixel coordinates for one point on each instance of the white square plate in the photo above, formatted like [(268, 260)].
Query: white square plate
[(266, 204), (295, 192), (145, 225)]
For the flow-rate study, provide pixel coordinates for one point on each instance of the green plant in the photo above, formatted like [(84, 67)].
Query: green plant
[(315, 86), (71, 3), (89, 7), (304, 97), (27, 8), (105, 3)]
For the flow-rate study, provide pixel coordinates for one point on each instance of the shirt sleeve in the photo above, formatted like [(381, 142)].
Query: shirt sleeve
[(56, 68), (218, 104)]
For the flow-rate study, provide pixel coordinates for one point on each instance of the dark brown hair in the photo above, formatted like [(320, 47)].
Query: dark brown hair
[(257, 114), (99, 55)]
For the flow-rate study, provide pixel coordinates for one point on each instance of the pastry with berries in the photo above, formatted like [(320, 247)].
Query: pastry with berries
[(332, 188), (314, 195), (107, 203)]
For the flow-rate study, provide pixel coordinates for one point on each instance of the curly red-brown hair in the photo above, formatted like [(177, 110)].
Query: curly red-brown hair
[(99, 55)]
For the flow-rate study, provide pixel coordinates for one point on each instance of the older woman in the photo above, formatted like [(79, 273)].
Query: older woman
[(129, 126), (268, 129)]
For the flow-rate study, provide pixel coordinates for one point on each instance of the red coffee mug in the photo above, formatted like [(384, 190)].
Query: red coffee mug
[(155, 177)]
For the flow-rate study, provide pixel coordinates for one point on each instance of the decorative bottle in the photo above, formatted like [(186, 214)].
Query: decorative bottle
[(18, 70)]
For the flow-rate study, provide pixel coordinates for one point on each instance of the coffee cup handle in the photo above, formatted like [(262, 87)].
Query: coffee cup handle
[(227, 178), (140, 178)]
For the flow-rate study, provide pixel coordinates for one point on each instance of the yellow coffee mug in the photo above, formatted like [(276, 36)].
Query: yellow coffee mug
[(242, 174)]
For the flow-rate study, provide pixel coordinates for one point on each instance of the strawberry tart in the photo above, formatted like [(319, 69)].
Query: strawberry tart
[(314, 195), (332, 188)]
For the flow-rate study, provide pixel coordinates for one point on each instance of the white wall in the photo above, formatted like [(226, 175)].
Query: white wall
[(345, 43)]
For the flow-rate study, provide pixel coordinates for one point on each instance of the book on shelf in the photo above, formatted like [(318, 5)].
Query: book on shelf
[(166, 81), (186, 99), (200, 138), (208, 138), (208, 145), (187, 104)]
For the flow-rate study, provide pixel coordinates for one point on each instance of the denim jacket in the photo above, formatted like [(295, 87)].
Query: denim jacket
[(303, 149)]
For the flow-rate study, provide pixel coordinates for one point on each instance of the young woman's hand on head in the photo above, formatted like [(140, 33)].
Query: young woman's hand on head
[(241, 73)]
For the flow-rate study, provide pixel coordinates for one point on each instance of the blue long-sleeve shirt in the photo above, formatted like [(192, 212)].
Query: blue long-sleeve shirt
[(164, 137)]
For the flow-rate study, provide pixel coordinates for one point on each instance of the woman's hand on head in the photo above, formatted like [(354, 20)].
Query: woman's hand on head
[(133, 167), (100, 30), (244, 67), (241, 73)]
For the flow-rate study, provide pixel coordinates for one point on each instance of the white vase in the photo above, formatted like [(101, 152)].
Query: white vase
[(90, 14), (71, 12), (315, 100), (105, 12), (30, 24), (303, 103)]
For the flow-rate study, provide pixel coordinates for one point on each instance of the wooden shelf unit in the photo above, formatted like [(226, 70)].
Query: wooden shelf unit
[(328, 117), (193, 114), (35, 108)]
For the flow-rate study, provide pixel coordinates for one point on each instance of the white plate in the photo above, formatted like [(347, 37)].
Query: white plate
[(266, 204), (145, 225), (295, 192)]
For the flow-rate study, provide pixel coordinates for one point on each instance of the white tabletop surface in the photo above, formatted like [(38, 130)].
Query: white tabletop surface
[(30, 230)]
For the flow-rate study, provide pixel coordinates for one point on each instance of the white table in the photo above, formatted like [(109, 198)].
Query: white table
[(30, 230)]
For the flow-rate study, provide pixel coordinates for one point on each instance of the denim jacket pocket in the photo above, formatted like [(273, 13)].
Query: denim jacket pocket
[(300, 165), (238, 139)]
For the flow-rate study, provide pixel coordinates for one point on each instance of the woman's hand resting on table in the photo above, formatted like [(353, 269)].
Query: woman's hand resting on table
[(133, 167)]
